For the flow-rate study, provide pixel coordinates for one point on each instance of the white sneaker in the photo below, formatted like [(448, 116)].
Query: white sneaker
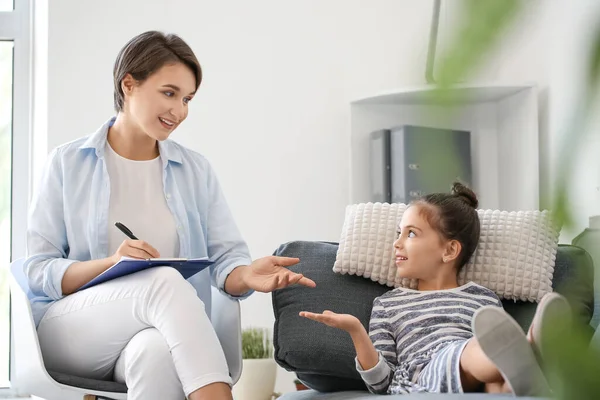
[(553, 307), (505, 344)]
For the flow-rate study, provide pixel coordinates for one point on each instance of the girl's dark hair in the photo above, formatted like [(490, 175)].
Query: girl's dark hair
[(147, 53), (455, 217)]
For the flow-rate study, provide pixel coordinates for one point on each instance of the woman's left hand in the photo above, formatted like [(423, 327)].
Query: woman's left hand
[(270, 273)]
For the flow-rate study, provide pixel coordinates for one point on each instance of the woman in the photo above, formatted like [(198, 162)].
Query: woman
[(149, 329)]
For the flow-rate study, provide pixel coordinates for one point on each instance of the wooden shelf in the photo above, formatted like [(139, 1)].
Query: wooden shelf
[(502, 119), (461, 94)]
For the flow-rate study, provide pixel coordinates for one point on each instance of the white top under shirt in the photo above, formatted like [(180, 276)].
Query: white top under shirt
[(137, 201)]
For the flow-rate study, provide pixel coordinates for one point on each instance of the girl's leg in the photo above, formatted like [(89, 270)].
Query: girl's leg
[(477, 370), (497, 388), (85, 333)]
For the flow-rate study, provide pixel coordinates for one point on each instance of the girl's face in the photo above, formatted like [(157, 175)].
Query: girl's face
[(160, 103), (420, 249)]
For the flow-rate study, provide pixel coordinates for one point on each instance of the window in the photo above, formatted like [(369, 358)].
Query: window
[(6, 5), (15, 131), (6, 89)]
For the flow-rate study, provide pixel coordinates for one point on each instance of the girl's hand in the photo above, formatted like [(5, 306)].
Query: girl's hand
[(347, 322)]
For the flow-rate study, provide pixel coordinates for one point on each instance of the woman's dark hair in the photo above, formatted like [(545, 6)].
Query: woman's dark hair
[(147, 53), (454, 215)]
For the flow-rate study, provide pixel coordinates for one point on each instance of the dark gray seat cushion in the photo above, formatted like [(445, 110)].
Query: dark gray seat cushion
[(573, 278), (86, 383), (312, 395), (323, 357)]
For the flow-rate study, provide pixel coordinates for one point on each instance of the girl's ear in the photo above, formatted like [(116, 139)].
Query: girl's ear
[(451, 251)]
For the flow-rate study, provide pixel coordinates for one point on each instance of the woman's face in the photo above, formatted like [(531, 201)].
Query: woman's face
[(160, 103)]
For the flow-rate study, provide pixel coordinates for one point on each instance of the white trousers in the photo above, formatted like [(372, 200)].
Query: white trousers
[(148, 330)]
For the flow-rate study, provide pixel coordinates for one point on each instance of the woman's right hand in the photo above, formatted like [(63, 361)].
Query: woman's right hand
[(347, 322), (134, 249), (80, 273)]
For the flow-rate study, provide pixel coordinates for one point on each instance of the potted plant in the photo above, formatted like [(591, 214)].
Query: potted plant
[(300, 385), (259, 369)]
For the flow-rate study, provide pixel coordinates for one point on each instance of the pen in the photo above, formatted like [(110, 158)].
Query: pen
[(126, 231)]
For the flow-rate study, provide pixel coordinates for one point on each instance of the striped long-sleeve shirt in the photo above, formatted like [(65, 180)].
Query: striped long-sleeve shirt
[(409, 327)]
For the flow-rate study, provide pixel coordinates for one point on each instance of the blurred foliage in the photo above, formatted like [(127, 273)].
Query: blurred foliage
[(572, 364), (481, 27), (256, 344)]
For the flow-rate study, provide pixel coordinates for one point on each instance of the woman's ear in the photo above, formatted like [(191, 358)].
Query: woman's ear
[(451, 251), (127, 84)]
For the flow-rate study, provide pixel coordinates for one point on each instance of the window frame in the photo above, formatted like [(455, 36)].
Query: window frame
[(16, 26)]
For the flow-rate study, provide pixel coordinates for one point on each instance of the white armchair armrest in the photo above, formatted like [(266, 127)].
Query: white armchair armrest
[(226, 320)]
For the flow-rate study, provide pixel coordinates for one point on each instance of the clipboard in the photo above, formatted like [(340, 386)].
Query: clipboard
[(187, 267)]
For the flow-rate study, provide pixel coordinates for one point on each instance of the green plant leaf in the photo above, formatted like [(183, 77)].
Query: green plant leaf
[(256, 344), (480, 29)]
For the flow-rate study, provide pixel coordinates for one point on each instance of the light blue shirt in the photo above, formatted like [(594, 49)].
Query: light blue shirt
[(68, 220)]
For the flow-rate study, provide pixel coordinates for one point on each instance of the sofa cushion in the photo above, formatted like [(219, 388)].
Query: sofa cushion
[(87, 383), (515, 256), (323, 357), (308, 347), (329, 383)]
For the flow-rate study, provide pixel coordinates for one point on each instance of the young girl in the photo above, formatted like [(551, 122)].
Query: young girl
[(443, 337)]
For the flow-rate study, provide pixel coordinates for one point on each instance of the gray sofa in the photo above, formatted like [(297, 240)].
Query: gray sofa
[(323, 357)]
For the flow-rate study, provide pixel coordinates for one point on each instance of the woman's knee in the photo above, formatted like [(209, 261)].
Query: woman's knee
[(167, 277), (163, 288), (164, 274)]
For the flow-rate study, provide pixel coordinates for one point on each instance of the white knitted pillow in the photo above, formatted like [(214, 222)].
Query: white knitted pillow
[(515, 256)]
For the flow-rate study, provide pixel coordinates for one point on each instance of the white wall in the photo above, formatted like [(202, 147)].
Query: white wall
[(570, 60), (272, 114)]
